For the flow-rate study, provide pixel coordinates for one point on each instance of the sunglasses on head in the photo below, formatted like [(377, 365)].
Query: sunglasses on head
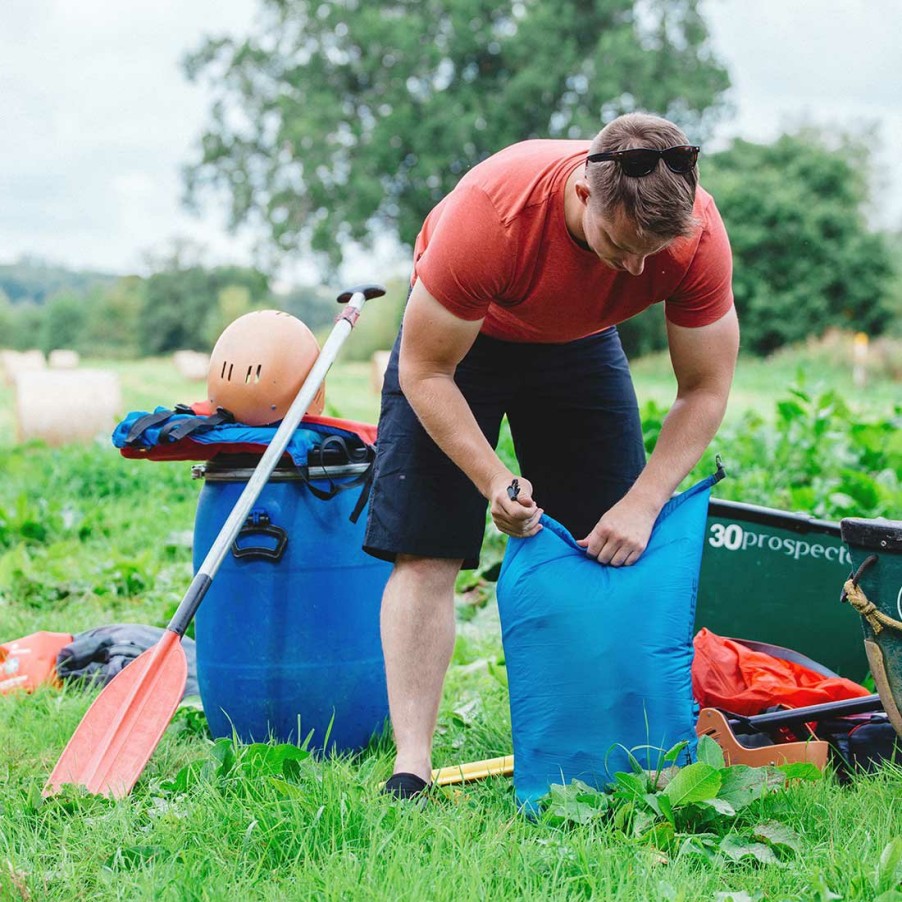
[(639, 161)]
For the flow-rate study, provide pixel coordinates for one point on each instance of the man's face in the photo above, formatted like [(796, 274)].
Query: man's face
[(616, 244)]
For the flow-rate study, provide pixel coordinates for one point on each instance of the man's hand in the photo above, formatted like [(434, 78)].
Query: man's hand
[(513, 510), (622, 534)]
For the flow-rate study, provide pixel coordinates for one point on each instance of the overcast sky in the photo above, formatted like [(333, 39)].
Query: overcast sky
[(96, 118)]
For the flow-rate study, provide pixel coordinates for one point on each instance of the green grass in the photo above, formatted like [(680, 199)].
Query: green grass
[(88, 538), (323, 832), (759, 382)]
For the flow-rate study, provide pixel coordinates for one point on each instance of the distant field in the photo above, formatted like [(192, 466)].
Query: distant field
[(155, 382)]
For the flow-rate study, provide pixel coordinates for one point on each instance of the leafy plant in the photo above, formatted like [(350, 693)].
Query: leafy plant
[(818, 456), (233, 768), (700, 809)]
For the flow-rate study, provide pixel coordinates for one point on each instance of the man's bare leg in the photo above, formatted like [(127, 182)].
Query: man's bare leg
[(417, 640)]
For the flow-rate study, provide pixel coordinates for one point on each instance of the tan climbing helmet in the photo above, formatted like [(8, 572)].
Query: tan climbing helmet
[(259, 364)]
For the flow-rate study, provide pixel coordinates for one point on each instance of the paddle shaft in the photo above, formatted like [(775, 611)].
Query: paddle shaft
[(794, 716), (273, 454)]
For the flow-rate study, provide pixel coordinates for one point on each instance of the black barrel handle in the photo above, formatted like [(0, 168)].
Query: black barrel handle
[(260, 525)]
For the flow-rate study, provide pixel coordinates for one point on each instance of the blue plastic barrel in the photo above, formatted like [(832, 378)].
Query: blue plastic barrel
[(288, 633)]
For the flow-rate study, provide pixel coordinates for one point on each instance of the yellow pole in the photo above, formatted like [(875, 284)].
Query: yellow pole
[(454, 774)]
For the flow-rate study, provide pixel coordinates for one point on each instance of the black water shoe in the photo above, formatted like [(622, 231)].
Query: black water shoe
[(405, 786)]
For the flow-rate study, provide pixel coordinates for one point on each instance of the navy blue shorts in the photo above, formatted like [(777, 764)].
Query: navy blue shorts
[(576, 430)]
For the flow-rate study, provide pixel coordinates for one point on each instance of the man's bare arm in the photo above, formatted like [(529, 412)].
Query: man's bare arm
[(433, 342), (704, 360)]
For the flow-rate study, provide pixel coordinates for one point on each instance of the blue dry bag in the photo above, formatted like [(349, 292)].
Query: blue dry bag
[(599, 658)]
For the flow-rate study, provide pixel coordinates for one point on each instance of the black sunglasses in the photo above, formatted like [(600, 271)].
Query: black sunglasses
[(639, 161)]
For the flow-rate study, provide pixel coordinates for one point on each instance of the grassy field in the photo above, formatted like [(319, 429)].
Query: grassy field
[(828, 366), (88, 538)]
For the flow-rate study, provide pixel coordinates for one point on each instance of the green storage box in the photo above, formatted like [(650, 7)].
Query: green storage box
[(777, 577)]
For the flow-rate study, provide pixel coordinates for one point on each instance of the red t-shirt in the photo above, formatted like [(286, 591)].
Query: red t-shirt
[(497, 247)]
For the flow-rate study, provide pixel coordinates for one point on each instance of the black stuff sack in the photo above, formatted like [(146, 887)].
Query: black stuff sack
[(97, 655)]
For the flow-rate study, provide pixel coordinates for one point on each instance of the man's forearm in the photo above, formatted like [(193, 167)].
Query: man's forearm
[(446, 416), (687, 430)]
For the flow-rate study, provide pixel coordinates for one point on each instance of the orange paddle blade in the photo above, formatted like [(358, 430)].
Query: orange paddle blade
[(119, 732)]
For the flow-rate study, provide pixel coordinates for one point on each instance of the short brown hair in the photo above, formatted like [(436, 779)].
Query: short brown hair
[(659, 204)]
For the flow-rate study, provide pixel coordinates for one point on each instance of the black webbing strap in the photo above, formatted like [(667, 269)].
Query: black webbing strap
[(352, 455), (177, 429), (148, 421)]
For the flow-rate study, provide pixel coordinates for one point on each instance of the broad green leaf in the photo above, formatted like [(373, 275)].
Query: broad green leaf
[(499, 672), (286, 789), (790, 410), (889, 869), (666, 807), (623, 815), (564, 805), (721, 806), (630, 786), (224, 752), (673, 753), (741, 785), (261, 759), (778, 835), (692, 784), (800, 770), (589, 795), (709, 752), (641, 822), (822, 891), (187, 777), (661, 835), (736, 848), (703, 845)]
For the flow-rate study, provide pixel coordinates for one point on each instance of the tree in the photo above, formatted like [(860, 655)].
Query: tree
[(182, 304), (112, 318), (24, 333), (7, 315), (804, 258), (340, 120), (62, 322)]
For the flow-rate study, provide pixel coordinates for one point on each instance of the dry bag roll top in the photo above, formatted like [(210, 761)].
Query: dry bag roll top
[(599, 658)]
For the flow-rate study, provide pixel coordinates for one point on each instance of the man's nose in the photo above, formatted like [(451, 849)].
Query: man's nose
[(634, 264)]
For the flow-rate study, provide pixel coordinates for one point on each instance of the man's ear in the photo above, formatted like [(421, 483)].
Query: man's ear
[(583, 191)]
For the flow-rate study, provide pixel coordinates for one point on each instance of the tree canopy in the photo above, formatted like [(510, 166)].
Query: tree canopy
[(804, 257), (345, 119)]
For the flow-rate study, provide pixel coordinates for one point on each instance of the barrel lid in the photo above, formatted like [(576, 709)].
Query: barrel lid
[(874, 535)]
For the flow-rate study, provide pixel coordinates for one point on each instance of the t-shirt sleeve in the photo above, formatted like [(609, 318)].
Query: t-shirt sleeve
[(706, 292), (469, 255)]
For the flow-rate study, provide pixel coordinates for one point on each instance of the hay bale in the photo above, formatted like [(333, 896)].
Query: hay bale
[(192, 364), (64, 406), (378, 365), (62, 359), (15, 362)]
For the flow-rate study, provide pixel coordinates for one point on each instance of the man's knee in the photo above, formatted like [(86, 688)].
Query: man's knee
[(437, 573)]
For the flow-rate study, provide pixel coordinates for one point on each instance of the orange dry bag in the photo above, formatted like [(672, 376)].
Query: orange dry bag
[(746, 679), (26, 663)]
